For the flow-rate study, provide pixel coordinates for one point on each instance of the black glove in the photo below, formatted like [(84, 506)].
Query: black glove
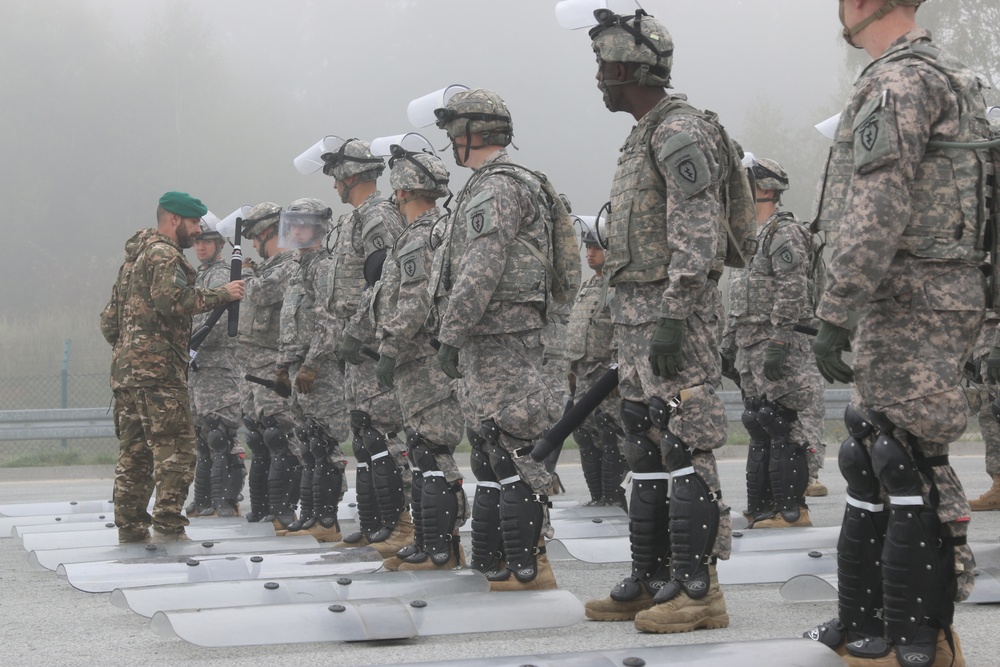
[(830, 343), (993, 366), (665, 354), (350, 350), (774, 358), (729, 364), (384, 370), (282, 385), (448, 358)]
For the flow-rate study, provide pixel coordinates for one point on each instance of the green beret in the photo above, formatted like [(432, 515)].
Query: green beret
[(183, 204)]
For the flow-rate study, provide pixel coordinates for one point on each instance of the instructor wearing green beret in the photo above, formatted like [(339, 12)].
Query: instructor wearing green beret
[(148, 324)]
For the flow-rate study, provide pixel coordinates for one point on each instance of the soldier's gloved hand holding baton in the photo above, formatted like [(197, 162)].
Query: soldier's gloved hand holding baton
[(281, 380), (305, 379), (665, 355), (830, 343), (350, 350), (448, 358), (385, 369)]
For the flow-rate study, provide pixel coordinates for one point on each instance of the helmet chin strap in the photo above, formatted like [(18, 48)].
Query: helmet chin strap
[(849, 33)]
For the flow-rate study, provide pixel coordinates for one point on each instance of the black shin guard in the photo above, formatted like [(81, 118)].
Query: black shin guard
[(859, 549), (918, 570), (487, 538), (648, 509), (439, 503), (759, 499), (202, 500), (787, 468), (283, 475), (259, 466), (694, 523), (220, 443), (328, 480), (368, 521), (387, 478), (590, 460), (306, 510), (613, 466)]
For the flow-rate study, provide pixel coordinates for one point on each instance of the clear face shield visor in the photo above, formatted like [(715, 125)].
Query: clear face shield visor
[(302, 229)]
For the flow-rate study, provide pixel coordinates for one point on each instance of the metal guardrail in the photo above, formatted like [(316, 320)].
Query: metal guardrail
[(74, 423)]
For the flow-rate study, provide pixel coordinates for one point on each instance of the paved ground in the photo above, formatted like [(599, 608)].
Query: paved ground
[(44, 621)]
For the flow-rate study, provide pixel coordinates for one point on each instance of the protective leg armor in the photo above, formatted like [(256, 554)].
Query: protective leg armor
[(259, 466), (439, 506), (694, 516), (387, 478), (591, 458), (787, 468), (859, 549), (368, 521), (759, 499), (649, 508), (307, 516), (613, 466), (327, 485), (223, 477), (202, 501), (416, 549), (283, 476), (918, 568), (522, 511), (487, 538)]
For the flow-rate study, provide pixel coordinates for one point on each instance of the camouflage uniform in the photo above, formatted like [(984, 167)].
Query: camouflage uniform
[(428, 397), (321, 419), (148, 323), (766, 299), (260, 315), (589, 346), (376, 419), (905, 272), (494, 312), (555, 373), (981, 395), (215, 403)]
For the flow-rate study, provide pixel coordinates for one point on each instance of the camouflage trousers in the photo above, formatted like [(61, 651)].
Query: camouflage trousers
[(801, 389), (587, 374), (980, 398), (699, 421), (908, 365), (156, 453), (430, 408), (503, 383), (215, 387)]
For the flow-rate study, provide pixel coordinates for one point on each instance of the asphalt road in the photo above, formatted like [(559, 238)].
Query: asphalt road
[(44, 621)]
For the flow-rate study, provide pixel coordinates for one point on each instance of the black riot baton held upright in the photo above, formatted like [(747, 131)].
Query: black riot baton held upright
[(235, 273)]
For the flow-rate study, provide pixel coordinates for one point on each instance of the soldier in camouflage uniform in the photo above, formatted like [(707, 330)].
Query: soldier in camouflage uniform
[(904, 285), (259, 331), (308, 368), (215, 398), (555, 373), (362, 239), (589, 346), (782, 388), (491, 290), (982, 393), (148, 324), (428, 398), (665, 238)]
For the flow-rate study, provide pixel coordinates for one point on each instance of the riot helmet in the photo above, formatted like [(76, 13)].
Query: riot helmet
[(479, 111), (307, 212)]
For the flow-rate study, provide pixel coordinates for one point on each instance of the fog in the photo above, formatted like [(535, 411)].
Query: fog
[(106, 104)]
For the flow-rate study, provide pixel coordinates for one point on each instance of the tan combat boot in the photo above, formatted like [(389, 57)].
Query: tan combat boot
[(400, 536), (163, 538), (422, 560), (684, 614), (989, 500), (324, 530), (816, 488), (545, 578), (779, 521), (610, 609), (943, 656)]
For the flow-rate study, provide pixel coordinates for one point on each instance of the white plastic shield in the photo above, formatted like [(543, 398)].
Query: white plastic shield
[(414, 142), (311, 160), (227, 226), (828, 127), (578, 14), (420, 111)]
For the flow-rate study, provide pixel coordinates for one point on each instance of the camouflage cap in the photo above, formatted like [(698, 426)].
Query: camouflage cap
[(768, 175), (637, 38), (418, 172), (477, 111), (183, 204), (352, 158), (261, 217)]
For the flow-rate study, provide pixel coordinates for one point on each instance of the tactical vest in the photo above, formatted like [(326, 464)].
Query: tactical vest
[(386, 296), (637, 241), (950, 189), (260, 323), (215, 274), (754, 290), (306, 287), (589, 331), (346, 280)]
